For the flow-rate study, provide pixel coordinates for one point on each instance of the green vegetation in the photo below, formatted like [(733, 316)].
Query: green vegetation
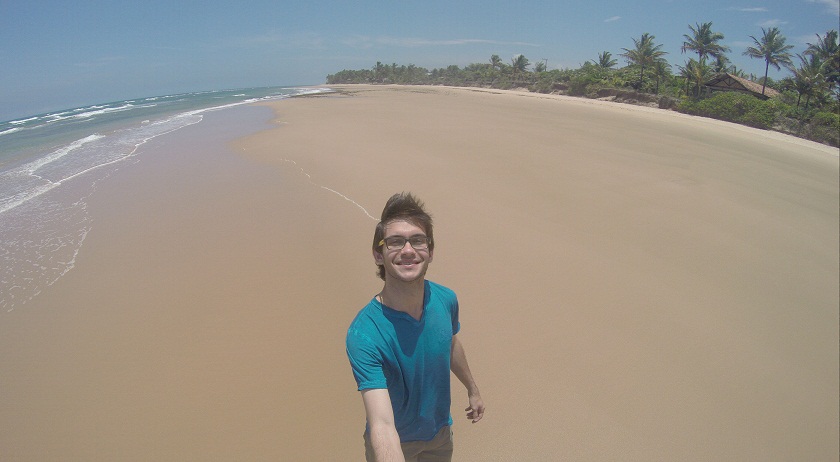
[(735, 107), (808, 103), (645, 53)]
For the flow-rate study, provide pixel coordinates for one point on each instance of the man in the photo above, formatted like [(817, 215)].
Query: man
[(403, 344)]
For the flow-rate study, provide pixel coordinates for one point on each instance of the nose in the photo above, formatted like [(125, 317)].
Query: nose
[(407, 248)]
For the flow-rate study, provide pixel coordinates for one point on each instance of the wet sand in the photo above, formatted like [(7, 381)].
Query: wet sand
[(634, 285)]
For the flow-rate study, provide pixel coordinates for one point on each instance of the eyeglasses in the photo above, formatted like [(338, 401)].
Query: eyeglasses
[(398, 242)]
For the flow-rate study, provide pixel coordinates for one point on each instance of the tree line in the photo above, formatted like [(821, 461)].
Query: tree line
[(808, 104)]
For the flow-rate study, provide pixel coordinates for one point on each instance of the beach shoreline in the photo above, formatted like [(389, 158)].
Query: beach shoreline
[(634, 284), (831, 150)]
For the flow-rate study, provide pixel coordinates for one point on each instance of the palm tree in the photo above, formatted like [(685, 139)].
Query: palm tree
[(695, 72), (704, 42), (496, 62), (772, 49), (519, 63), (721, 64), (605, 60), (379, 72), (644, 53), (733, 69), (808, 78), (661, 68), (828, 51)]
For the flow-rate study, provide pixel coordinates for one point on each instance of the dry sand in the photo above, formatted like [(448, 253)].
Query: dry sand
[(635, 285)]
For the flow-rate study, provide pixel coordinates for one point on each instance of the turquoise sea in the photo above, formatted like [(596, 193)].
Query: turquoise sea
[(50, 165)]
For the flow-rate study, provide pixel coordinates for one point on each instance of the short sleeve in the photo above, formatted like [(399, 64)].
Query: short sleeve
[(365, 360), (456, 323)]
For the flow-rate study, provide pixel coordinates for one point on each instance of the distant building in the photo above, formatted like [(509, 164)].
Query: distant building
[(729, 82)]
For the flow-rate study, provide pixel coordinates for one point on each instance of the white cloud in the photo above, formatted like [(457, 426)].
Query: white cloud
[(831, 6), (756, 9), (772, 23), (612, 19)]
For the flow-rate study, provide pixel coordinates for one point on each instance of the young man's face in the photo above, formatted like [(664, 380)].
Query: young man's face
[(405, 264)]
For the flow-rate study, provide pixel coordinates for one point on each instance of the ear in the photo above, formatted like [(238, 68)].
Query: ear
[(378, 257)]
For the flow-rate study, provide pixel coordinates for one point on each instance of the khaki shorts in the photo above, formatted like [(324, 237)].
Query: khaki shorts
[(439, 449)]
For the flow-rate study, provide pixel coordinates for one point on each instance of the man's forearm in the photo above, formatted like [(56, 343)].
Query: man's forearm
[(385, 443), (382, 433), (461, 368)]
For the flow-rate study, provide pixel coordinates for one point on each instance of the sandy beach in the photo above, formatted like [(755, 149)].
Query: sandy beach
[(634, 285)]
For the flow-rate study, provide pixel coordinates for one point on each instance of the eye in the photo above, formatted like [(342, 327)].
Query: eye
[(419, 242), (395, 242)]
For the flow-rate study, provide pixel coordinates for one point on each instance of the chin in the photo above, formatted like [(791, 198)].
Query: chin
[(409, 276)]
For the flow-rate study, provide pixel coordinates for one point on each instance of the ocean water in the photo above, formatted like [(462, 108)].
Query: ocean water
[(50, 165)]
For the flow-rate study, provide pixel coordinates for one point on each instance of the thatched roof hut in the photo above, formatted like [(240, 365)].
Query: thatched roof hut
[(729, 82)]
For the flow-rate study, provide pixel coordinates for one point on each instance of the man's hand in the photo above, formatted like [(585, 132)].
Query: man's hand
[(475, 411), (461, 369)]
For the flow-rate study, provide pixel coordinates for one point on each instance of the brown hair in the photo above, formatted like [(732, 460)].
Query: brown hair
[(402, 206)]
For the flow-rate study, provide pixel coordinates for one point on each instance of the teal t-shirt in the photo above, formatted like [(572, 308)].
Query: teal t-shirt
[(390, 349)]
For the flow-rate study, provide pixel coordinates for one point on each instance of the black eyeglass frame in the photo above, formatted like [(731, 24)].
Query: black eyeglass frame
[(417, 242)]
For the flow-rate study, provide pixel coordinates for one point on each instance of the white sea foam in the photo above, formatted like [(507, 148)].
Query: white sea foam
[(22, 121), (36, 255), (22, 184), (98, 110), (33, 166), (82, 156), (58, 115), (312, 91), (43, 233), (43, 212)]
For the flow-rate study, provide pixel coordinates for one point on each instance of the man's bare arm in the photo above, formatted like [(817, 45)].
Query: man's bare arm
[(382, 431), (461, 369)]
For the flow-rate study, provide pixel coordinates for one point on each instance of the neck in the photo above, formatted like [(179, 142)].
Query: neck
[(405, 297)]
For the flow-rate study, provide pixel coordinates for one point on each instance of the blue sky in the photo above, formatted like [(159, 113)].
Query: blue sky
[(57, 55)]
